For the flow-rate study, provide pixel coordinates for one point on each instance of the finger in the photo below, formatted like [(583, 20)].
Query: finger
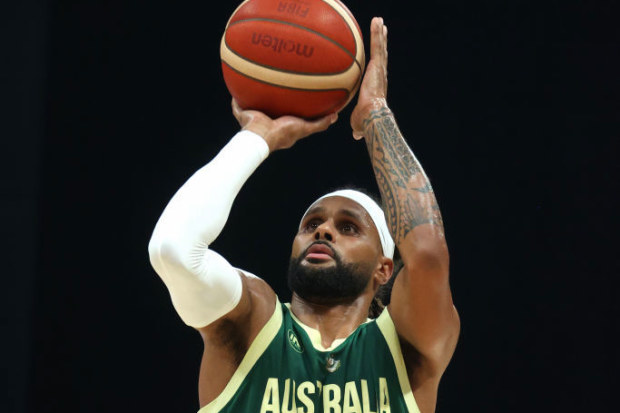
[(376, 46), (320, 124), (385, 55), (385, 38), (236, 110), (385, 41)]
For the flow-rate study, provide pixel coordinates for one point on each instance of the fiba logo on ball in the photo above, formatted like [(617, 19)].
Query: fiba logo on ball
[(297, 7), (299, 57)]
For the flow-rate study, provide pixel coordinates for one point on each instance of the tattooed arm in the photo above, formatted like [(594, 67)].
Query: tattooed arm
[(421, 302)]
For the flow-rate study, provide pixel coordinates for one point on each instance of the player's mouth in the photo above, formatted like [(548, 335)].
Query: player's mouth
[(319, 252)]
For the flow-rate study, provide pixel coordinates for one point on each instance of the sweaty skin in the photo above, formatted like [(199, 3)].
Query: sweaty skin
[(421, 302)]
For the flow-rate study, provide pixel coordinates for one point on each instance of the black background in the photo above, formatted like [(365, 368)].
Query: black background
[(512, 108)]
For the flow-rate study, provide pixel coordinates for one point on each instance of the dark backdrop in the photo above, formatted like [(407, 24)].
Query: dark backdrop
[(512, 108)]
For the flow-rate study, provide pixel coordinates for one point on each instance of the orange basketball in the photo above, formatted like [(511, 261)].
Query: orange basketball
[(298, 57)]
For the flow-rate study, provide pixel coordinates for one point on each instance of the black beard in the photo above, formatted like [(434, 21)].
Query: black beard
[(337, 283)]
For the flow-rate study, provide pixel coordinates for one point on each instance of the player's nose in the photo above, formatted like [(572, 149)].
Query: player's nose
[(324, 232)]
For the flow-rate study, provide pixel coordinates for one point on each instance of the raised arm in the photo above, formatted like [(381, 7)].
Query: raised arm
[(203, 285), (421, 302)]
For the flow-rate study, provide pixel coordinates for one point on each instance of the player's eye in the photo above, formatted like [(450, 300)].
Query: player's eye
[(349, 228), (311, 225)]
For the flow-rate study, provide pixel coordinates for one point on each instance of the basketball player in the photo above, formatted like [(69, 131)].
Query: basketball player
[(320, 353)]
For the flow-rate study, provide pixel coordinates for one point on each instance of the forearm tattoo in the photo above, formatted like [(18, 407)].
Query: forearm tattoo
[(409, 200)]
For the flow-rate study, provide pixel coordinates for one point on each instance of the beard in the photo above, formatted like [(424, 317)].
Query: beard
[(339, 282)]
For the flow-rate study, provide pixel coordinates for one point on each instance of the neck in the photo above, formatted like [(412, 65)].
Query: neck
[(333, 321)]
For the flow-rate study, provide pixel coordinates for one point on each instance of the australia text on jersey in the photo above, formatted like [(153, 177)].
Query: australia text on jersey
[(307, 397)]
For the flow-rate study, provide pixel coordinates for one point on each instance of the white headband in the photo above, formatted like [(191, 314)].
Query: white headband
[(375, 212)]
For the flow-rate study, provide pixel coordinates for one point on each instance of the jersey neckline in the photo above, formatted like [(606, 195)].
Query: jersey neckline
[(314, 335)]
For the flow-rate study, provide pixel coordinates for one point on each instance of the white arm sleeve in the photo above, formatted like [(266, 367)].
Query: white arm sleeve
[(202, 284)]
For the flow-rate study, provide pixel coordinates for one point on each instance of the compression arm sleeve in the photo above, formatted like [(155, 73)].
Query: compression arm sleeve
[(202, 284)]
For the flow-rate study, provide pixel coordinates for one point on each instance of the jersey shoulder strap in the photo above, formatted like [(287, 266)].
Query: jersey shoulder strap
[(256, 350), (388, 329)]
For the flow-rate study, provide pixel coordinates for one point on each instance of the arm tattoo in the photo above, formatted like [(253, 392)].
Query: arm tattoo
[(409, 200)]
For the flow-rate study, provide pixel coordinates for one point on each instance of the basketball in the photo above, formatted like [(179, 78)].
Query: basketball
[(300, 57)]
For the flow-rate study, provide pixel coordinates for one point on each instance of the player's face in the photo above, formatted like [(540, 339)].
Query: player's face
[(336, 251)]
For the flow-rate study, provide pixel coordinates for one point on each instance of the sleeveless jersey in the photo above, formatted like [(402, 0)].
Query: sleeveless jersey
[(286, 370)]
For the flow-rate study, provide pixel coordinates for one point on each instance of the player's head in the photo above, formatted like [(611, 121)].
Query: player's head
[(342, 249)]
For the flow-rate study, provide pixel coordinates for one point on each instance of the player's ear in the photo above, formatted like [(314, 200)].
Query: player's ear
[(385, 270)]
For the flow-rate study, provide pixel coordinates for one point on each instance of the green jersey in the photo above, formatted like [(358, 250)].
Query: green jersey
[(286, 370)]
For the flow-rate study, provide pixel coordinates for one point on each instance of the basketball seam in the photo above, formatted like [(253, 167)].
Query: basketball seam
[(281, 86), (346, 15), (227, 54), (340, 12)]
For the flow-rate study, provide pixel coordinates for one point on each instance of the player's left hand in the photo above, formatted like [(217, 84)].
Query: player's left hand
[(373, 90)]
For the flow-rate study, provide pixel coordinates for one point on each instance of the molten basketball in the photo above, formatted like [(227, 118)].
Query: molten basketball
[(298, 57)]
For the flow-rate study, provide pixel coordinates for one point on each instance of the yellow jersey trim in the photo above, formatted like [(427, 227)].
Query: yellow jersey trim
[(387, 328), (315, 335), (256, 350)]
